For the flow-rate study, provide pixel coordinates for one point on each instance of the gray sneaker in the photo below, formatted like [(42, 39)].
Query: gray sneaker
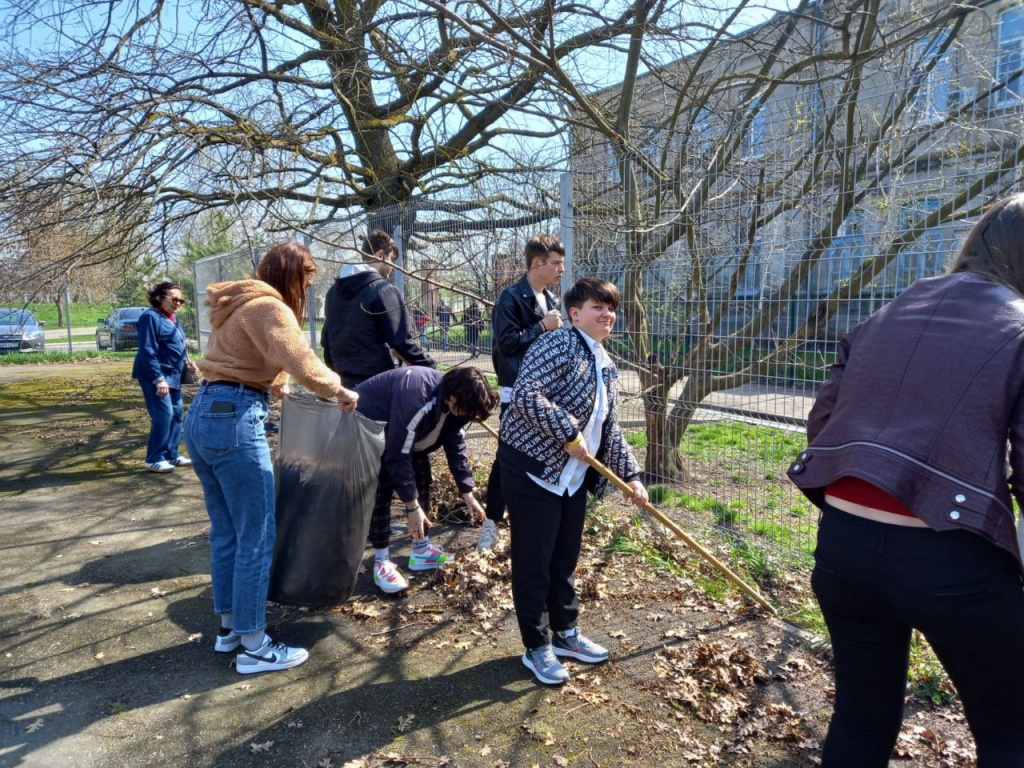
[(488, 536), (227, 641), (269, 657), (545, 667), (575, 646)]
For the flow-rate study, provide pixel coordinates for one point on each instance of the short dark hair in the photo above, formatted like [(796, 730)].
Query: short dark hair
[(474, 397), (593, 288), (377, 240), (994, 248), (540, 246), (157, 292)]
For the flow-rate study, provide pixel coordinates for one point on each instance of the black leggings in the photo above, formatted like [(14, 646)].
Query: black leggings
[(875, 583), (494, 503)]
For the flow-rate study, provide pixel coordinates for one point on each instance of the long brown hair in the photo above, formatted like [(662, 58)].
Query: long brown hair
[(994, 248), (288, 268)]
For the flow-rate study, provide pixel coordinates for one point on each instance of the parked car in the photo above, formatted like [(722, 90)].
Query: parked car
[(119, 329), (20, 332)]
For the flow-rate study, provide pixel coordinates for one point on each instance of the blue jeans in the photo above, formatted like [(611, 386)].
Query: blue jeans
[(228, 446), (875, 583), (165, 415)]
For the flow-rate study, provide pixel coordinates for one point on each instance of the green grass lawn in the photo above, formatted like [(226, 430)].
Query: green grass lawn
[(53, 355), (83, 315)]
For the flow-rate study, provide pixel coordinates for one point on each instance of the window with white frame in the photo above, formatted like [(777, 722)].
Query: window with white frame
[(612, 162), (1011, 56), (652, 143), (844, 256), (753, 143), (723, 267), (923, 257), (701, 133), (932, 73)]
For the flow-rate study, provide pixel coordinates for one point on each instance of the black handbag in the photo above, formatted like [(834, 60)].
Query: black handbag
[(189, 374)]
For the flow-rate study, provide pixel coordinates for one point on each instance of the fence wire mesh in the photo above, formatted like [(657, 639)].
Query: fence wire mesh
[(751, 226), (748, 229)]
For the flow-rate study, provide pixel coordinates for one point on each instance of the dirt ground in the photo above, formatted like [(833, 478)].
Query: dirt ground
[(106, 622)]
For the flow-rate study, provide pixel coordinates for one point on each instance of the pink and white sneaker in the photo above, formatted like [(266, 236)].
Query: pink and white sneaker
[(387, 578), (432, 557)]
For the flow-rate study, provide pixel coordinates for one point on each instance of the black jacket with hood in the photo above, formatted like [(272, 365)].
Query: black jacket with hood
[(364, 317)]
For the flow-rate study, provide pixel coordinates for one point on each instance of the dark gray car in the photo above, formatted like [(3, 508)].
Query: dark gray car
[(20, 332), (119, 329)]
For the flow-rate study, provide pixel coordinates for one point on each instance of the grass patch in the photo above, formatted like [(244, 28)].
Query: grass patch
[(759, 515), (82, 314), (22, 358), (735, 441), (636, 439), (926, 679), (622, 544)]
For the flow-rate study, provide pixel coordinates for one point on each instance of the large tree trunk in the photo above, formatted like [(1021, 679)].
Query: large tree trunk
[(663, 462), (59, 303), (666, 422)]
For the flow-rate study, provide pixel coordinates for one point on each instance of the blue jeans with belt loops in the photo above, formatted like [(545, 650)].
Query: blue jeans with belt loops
[(877, 582), (228, 446)]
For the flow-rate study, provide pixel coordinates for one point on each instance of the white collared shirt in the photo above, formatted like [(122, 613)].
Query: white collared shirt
[(571, 477)]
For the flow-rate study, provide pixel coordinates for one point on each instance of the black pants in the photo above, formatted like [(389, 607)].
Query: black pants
[(380, 522), (494, 503), (875, 583), (547, 532)]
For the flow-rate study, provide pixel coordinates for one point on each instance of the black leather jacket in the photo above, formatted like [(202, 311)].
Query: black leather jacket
[(516, 324), (923, 400)]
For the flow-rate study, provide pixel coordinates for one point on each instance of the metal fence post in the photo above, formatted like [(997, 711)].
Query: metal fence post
[(565, 225)]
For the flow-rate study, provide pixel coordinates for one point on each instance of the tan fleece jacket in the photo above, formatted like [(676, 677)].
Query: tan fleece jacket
[(256, 340)]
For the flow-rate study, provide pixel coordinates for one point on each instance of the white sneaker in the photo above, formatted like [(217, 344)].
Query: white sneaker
[(227, 641), (269, 657), (162, 467), (488, 536), (387, 578), (182, 461)]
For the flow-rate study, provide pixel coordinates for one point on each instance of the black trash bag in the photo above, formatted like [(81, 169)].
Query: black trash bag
[(326, 477)]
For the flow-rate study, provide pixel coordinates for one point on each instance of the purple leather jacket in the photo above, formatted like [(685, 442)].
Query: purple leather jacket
[(926, 402)]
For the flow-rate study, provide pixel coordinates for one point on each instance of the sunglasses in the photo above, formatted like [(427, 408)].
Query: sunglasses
[(176, 301)]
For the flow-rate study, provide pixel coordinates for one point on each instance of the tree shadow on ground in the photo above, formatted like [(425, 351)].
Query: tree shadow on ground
[(91, 700), (430, 716)]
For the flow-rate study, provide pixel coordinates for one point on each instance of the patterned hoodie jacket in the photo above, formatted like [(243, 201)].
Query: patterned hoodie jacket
[(552, 400)]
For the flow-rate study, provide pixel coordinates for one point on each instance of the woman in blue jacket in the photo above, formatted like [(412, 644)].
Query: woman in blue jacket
[(159, 364)]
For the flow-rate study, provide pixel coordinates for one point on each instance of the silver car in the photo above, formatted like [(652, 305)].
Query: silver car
[(20, 332)]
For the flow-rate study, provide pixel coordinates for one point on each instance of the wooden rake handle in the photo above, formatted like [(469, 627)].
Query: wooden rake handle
[(658, 515)]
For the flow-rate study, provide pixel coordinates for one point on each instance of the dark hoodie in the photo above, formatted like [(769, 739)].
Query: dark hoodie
[(409, 401), (364, 316)]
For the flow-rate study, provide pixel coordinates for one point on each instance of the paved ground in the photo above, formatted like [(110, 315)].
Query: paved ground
[(106, 623)]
